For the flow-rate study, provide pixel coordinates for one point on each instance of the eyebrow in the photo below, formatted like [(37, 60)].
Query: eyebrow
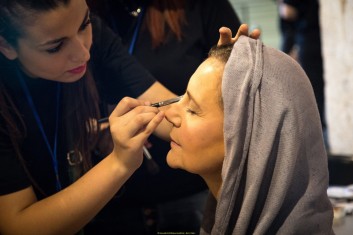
[(57, 40)]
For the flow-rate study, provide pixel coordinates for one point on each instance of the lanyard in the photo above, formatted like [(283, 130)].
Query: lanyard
[(152, 165), (53, 152), (137, 28)]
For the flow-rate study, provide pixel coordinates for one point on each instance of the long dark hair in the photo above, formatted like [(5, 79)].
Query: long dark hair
[(80, 99)]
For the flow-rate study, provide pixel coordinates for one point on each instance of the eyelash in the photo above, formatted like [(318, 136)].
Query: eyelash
[(58, 47), (55, 49), (84, 26), (191, 111)]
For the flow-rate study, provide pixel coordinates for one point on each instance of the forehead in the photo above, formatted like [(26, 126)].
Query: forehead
[(207, 77), (56, 22)]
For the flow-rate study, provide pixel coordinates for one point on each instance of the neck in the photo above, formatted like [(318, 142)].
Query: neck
[(214, 182)]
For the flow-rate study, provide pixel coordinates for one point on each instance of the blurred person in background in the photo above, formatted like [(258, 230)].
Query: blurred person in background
[(301, 37)]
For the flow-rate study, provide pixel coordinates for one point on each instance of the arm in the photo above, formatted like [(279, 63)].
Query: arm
[(67, 211), (70, 209)]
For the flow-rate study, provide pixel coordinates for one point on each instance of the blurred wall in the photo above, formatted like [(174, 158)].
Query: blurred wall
[(337, 41), (260, 14)]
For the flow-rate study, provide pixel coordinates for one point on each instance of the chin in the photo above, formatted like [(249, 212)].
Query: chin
[(172, 161), (72, 79)]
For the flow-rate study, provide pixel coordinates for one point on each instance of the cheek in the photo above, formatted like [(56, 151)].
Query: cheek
[(88, 38), (37, 65), (203, 149)]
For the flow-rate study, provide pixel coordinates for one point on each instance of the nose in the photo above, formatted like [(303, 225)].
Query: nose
[(172, 114), (79, 52)]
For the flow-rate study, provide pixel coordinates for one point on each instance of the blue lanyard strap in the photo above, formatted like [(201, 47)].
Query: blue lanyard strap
[(137, 29), (53, 152)]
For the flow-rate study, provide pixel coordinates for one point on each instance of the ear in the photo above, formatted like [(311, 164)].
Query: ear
[(7, 50)]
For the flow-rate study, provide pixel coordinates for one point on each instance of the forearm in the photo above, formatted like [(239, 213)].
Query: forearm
[(69, 210)]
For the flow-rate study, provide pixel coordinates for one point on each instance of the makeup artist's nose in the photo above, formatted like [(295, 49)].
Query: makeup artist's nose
[(79, 50), (172, 114)]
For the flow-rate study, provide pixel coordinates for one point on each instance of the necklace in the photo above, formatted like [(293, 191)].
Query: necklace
[(133, 8), (52, 151)]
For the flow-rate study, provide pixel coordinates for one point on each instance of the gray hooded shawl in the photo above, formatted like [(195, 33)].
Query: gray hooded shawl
[(275, 174)]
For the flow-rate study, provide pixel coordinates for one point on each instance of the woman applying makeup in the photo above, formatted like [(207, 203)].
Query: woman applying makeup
[(47, 98), (56, 62), (248, 124)]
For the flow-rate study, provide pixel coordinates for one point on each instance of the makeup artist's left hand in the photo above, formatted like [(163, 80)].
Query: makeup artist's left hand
[(131, 122)]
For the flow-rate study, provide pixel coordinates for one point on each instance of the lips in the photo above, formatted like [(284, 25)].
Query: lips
[(78, 70), (173, 142)]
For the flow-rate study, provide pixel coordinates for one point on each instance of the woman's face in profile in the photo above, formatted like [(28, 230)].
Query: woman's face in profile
[(197, 134), (55, 46)]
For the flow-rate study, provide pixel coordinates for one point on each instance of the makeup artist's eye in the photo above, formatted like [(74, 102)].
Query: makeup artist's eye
[(85, 24), (55, 49)]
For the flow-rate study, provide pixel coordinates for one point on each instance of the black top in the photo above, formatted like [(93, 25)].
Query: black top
[(172, 64), (116, 73)]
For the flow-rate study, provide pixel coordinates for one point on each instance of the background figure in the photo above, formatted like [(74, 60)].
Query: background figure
[(287, 15), (299, 25), (170, 39)]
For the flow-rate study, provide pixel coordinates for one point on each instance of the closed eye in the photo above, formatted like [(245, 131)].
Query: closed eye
[(192, 112)]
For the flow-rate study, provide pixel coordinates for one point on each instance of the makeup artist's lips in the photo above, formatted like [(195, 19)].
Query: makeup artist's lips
[(78, 70)]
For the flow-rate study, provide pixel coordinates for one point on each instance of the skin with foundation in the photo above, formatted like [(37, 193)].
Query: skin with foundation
[(197, 144)]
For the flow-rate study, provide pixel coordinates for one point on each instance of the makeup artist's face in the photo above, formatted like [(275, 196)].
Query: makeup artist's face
[(56, 45), (197, 134)]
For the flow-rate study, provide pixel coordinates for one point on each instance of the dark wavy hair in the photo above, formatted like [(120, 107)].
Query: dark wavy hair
[(80, 99)]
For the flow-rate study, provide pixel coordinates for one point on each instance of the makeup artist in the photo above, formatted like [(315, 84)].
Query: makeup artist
[(52, 78)]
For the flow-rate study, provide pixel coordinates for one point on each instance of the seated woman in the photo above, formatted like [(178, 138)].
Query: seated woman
[(250, 127)]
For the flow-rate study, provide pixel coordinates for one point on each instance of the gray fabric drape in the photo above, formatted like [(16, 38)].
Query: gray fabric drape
[(275, 174)]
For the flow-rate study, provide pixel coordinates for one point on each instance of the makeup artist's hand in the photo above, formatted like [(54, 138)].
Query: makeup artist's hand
[(131, 122), (225, 34)]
